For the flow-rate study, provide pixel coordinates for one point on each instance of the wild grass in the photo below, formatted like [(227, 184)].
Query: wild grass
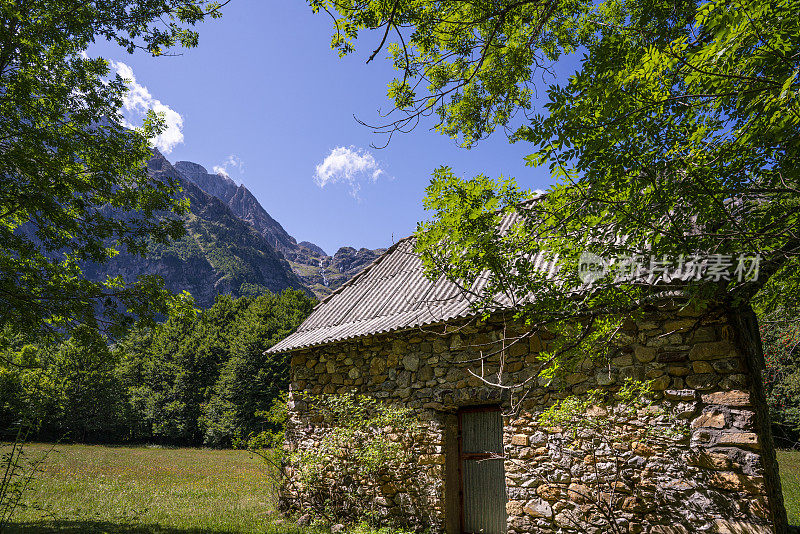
[(789, 465), (85, 488), (150, 490)]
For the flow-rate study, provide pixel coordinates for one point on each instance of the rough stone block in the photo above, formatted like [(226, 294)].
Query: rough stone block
[(728, 398), (713, 419), (713, 350), (725, 526), (710, 460), (702, 381), (680, 325), (737, 381), (549, 492), (740, 439), (678, 370), (672, 357), (538, 508), (411, 362), (623, 360), (661, 383), (518, 349), (732, 481), (644, 354), (680, 394), (425, 373), (669, 529), (605, 377), (727, 366), (514, 507), (519, 439), (703, 334), (514, 367), (575, 378), (701, 367)]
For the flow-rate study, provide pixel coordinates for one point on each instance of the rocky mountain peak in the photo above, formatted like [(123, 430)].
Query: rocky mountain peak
[(312, 248), (319, 272), (219, 254), (189, 168), (217, 185)]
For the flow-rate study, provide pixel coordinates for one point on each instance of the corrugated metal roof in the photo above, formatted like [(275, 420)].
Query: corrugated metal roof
[(390, 294)]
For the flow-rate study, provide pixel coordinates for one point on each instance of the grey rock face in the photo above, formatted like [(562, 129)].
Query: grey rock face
[(220, 253), (319, 272)]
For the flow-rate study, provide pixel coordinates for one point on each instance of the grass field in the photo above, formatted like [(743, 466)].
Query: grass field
[(789, 462), (144, 490), (132, 490)]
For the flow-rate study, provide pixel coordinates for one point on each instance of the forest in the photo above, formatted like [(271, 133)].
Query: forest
[(199, 378)]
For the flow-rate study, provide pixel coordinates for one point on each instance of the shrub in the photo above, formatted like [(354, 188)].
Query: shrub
[(362, 448)]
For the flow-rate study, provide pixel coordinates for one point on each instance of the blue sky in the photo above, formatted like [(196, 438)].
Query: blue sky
[(265, 93)]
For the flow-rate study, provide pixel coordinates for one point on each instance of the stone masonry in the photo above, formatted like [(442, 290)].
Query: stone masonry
[(721, 477)]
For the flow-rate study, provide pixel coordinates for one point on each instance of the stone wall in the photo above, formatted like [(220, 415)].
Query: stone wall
[(720, 478)]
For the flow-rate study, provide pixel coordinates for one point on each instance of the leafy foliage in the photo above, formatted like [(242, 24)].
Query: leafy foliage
[(203, 376), (677, 137), (75, 187), (68, 392), (365, 442), (781, 339), (199, 378)]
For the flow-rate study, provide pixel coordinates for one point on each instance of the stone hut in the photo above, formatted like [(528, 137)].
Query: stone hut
[(487, 463)]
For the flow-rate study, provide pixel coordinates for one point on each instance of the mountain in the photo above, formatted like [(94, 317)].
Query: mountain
[(320, 272), (220, 252)]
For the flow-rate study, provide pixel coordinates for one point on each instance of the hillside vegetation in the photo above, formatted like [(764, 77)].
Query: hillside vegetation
[(318, 271)]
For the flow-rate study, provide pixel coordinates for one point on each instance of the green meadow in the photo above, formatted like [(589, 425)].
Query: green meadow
[(92, 488), (789, 462), (152, 490)]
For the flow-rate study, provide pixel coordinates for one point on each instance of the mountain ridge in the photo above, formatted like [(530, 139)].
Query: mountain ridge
[(320, 272), (219, 254)]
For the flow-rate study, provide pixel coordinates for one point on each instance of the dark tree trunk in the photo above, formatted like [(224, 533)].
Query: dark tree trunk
[(748, 340)]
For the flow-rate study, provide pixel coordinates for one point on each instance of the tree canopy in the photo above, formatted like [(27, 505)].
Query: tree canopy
[(673, 148), (75, 185), (199, 378)]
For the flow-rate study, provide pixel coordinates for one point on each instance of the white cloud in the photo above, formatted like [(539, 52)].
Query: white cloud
[(231, 162), (138, 101), (351, 166)]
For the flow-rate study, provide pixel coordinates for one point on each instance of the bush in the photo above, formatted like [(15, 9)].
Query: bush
[(781, 340), (362, 446)]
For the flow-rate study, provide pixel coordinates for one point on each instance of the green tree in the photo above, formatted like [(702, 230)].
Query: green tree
[(27, 391), (781, 338), (678, 135), (250, 381), (75, 185), (68, 392), (201, 376), (89, 400)]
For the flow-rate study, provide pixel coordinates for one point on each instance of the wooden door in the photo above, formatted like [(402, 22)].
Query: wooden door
[(483, 484)]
